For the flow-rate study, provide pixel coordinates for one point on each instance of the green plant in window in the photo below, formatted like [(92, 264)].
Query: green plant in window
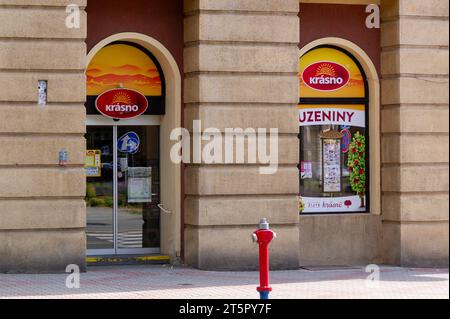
[(357, 165)]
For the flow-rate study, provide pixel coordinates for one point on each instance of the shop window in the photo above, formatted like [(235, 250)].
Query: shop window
[(333, 121)]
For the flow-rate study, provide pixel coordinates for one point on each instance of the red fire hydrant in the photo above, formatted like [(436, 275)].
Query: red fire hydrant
[(263, 236)]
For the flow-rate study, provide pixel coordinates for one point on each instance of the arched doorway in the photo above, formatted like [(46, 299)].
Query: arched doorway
[(145, 186)]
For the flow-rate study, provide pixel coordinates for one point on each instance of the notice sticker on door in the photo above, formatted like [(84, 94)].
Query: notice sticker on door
[(93, 163), (139, 185), (306, 170), (129, 143)]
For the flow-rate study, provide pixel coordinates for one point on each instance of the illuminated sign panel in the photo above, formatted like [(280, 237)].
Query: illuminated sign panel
[(330, 73), (128, 71), (325, 76), (121, 104)]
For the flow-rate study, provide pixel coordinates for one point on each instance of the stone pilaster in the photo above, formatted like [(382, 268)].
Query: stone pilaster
[(415, 130), (241, 65), (42, 209)]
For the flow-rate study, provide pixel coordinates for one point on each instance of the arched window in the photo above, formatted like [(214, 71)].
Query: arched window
[(334, 127)]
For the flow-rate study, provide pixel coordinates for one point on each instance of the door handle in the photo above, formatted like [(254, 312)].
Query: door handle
[(161, 207)]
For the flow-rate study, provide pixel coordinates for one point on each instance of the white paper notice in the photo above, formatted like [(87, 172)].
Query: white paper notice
[(139, 184), (331, 166)]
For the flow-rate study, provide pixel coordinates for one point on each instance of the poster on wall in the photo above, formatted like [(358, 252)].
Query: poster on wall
[(93, 164), (306, 170), (331, 166), (139, 185)]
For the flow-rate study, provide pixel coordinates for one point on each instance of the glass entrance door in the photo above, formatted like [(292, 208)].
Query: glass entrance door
[(100, 189), (122, 194)]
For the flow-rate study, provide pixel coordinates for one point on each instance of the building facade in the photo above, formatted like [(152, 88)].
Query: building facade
[(361, 111)]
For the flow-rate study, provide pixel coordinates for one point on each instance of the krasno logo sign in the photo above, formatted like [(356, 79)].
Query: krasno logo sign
[(121, 104), (326, 76)]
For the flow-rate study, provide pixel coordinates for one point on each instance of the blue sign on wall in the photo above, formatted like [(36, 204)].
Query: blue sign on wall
[(129, 143)]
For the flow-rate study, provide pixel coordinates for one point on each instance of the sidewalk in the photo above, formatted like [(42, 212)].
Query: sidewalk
[(133, 282)]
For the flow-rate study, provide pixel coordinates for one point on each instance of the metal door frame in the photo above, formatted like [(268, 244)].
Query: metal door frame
[(98, 120)]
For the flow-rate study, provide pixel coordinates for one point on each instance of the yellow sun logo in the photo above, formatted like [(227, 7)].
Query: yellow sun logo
[(325, 69), (121, 98)]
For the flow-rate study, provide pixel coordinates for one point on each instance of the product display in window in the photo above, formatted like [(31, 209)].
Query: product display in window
[(332, 169)]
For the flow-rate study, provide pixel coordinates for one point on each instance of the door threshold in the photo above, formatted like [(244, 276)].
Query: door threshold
[(128, 260)]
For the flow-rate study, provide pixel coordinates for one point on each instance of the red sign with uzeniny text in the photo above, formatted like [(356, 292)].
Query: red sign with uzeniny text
[(121, 104)]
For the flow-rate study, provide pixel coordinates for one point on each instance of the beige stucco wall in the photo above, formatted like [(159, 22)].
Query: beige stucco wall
[(340, 240), (42, 211), (415, 132), (241, 71)]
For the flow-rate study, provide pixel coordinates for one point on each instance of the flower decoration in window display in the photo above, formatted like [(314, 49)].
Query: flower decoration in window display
[(357, 165), (301, 204)]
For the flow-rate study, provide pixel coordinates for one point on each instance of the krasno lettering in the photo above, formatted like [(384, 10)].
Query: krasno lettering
[(331, 205), (326, 80), (121, 108)]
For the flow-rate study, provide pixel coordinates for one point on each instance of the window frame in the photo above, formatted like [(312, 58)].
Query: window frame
[(343, 101)]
